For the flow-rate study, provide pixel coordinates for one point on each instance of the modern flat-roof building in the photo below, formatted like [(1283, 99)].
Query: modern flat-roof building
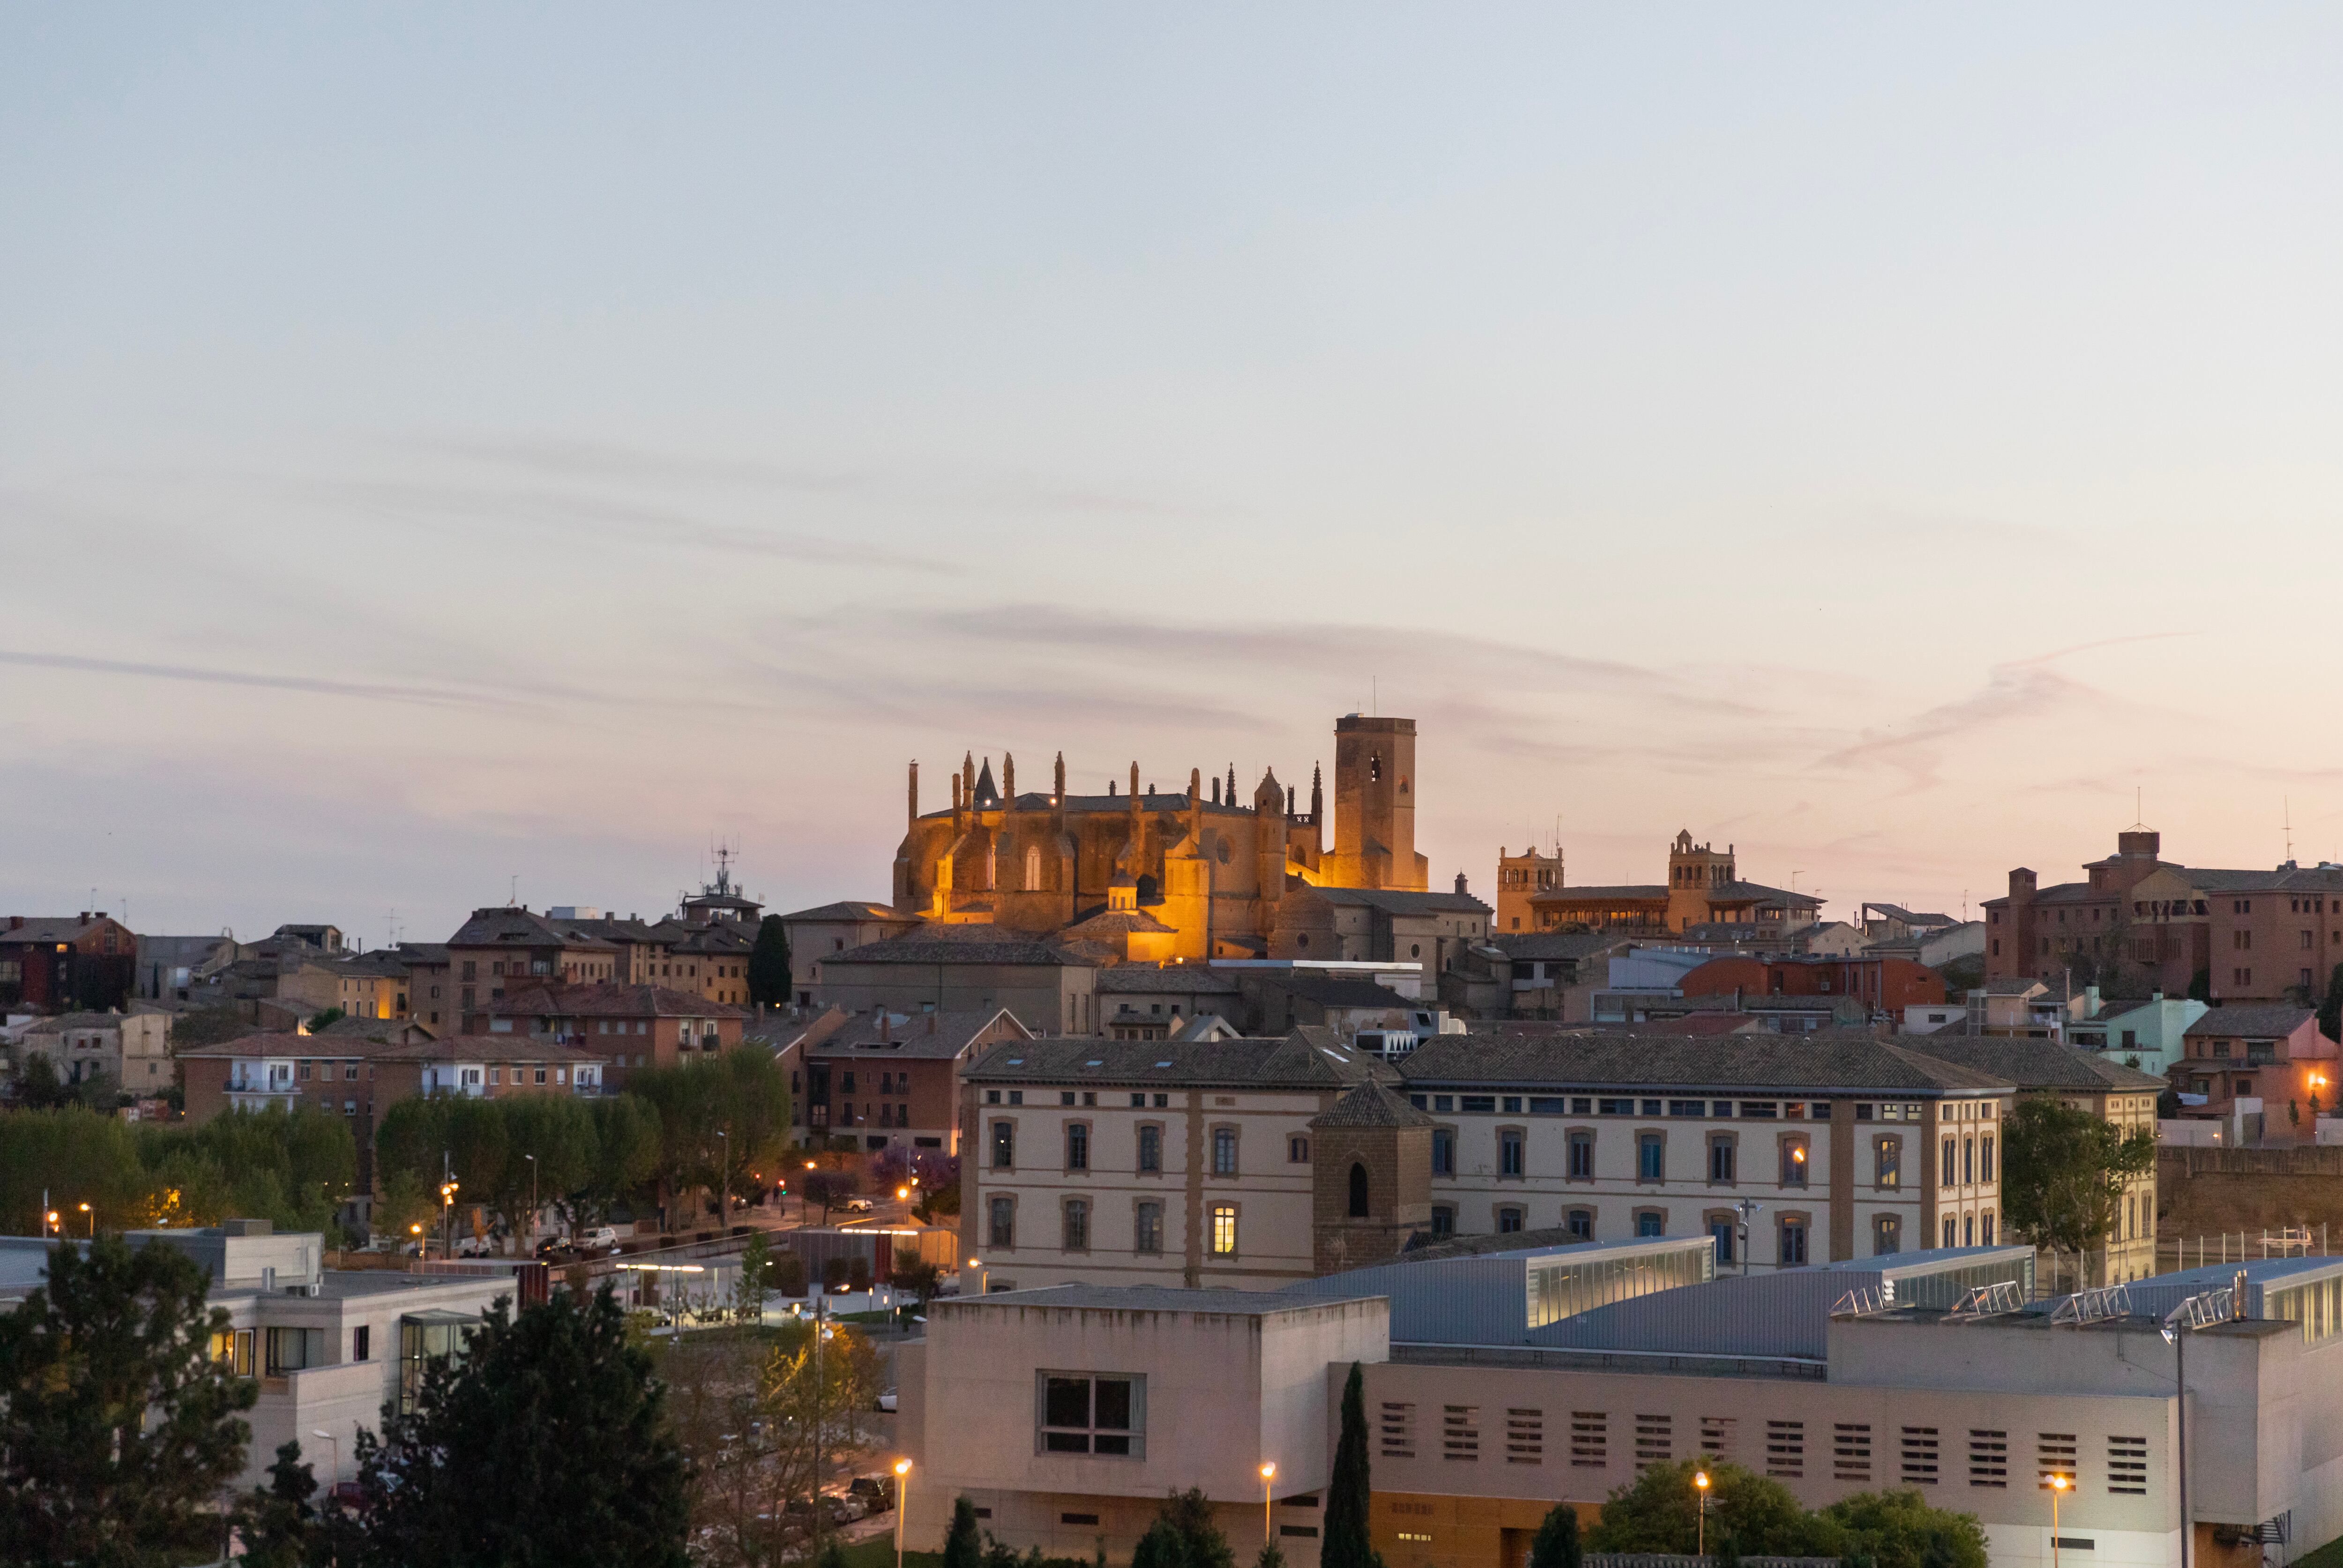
[(1928, 1371)]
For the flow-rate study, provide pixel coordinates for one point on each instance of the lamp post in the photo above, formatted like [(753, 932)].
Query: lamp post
[(982, 1273), (2176, 1334), (902, 1502), (805, 1199), (2058, 1484), (93, 1221), (723, 1180), (332, 1471), (1268, 1474), (448, 1216), (1700, 1530), (1749, 1208)]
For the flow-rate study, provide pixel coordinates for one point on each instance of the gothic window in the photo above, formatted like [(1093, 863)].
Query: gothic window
[(1032, 868), (1358, 1191)]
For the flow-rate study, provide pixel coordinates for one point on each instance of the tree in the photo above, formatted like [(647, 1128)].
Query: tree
[(547, 1416), (324, 1021), (1347, 1543), (626, 1156), (1556, 1543), (2330, 1010), (1189, 1516), (38, 1086), (279, 1526), (1748, 1515), (117, 1421), (919, 1278), (2200, 986), (2063, 1170), (1900, 1530), (827, 1189), (768, 964), (405, 1202), (961, 1547), (756, 1281)]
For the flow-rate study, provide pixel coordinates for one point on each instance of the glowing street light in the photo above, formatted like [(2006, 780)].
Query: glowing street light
[(1268, 1474), (93, 1221), (902, 1500), (2058, 1484), (982, 1273), (1700, 1490)]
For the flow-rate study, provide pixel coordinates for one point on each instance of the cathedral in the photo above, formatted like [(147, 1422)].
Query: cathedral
[(1159, 875)]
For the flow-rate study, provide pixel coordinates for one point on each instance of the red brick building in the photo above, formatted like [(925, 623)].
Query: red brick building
[(86, 962), (891, 1078), (633, 1026), (1882, 985), (2250, 935)]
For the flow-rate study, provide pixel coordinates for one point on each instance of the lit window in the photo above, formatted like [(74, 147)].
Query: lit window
[(1225, 1229)]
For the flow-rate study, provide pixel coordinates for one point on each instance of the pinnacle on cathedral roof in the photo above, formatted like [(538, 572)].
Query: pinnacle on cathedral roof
[(987, 793)]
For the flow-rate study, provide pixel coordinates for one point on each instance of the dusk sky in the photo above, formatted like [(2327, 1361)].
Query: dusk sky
[(442, 446)]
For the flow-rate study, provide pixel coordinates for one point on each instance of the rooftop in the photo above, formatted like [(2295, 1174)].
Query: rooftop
[(941, 1035), (1827, 1061), (609, 999), (1147, 1299), (2034, 1063), (1308, 1058), (2269, 1021)]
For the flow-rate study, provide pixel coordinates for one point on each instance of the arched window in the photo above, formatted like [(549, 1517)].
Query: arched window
[(1032, 867), (1358, 1191)]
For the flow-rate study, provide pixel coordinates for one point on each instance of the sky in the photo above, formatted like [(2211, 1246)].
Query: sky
[(454, 451)]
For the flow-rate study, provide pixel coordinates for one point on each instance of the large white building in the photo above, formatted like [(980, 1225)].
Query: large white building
[(1065, 1414)]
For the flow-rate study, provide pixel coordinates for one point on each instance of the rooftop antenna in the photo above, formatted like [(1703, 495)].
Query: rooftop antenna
[(512, 894), (2286, 809)]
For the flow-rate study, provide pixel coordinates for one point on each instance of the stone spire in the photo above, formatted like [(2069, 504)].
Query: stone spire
[(1317, 794), (1232, 783), (1058, 780), (915, 790), (1009, 780)]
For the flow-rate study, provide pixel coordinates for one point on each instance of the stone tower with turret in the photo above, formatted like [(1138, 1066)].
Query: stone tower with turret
[(1374, 806), (1370, 1167)]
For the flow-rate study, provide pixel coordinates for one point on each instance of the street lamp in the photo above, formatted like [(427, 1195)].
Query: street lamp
[(982, 1273), (1268, 1474), (448, 1216), (93, 1221), (2176, 1334), (52, 1224), (333, 1471), (1700, 1532), (902, 1502), (1749, 1208), (2058, 1484)]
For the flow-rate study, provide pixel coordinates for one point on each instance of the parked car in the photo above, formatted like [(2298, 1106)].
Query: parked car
[(554, 1250), (847, 1509), (877, 1491), (858, 1205), (475, 1246), (600, 1239), (887, 1402)]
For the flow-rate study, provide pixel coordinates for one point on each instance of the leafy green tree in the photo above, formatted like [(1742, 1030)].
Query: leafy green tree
[(405, 1203), (324, 1021), (1747, 1514), (626, 1156), (545, 1443), (826, 1190), (2200, 986), (117, 1422), (1201, 1545), (756, 1283), (1271, 1557), (558, 1130), (2331, 1010), (279, 1526), (1159, 1547), (1556, 1543), (963, 1549), (1347, 1543), (769, 963), (2063, 1170), (1901, 1530)]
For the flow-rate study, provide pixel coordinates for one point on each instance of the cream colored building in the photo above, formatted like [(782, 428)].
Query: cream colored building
[(1138, 1162)]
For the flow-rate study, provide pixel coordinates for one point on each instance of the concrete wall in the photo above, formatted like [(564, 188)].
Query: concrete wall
[(2204, 1192), (1224, 1393)]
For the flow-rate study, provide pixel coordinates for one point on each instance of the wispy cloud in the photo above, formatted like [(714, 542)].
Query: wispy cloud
[(439, 697)]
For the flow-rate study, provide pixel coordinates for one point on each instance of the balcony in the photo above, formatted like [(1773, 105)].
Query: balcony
[(261, 1096)]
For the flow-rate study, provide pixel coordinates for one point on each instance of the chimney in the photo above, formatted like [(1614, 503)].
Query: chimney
[(1460, 885), (84, 917)]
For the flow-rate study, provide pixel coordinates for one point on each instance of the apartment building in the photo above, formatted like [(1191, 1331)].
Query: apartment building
[(1787, 1151), (631, 1027), (1163, 1162), (506, 948), (2252, 935), (2098, 1084), (890, 1078), (2274, 1058), (358, 1077), (59, 962), (131, 1050), (329, 1348)]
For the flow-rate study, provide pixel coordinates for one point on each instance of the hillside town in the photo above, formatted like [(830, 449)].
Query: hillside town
[(1181, 1086)]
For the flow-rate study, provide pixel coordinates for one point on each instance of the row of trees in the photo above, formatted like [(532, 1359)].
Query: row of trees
[(295, 1168), (717, 1124)]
